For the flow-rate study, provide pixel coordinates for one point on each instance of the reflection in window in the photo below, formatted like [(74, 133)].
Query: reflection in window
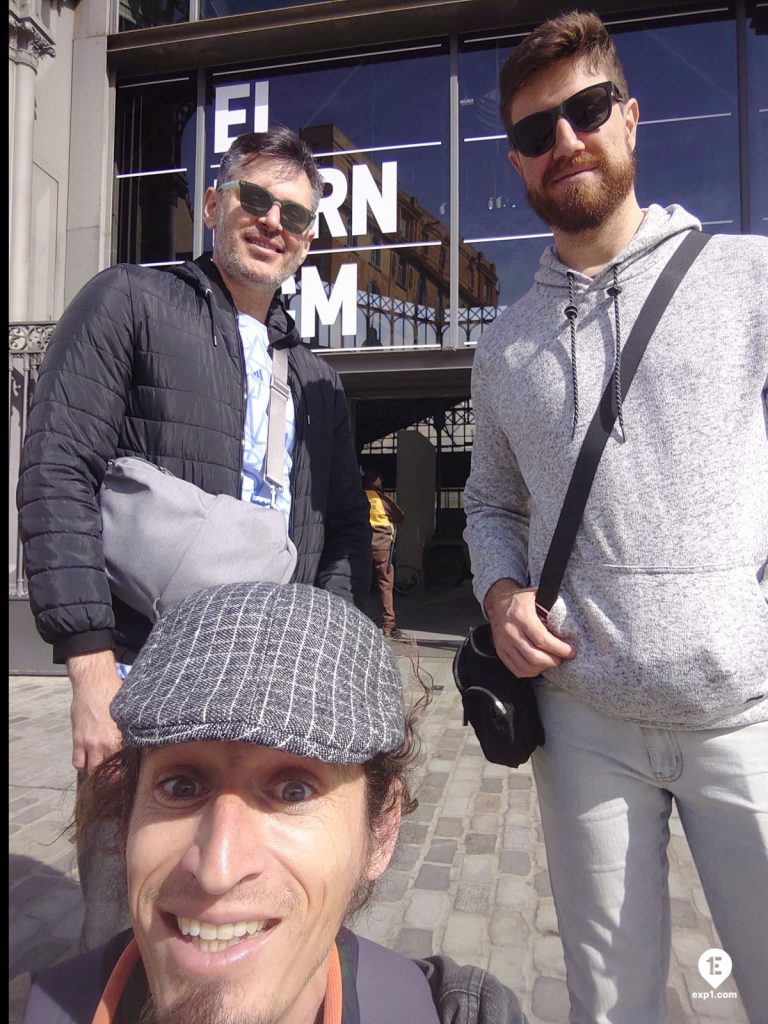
[(155, 219), (379, 128), (684, 76), (400, 272), (222, 8), (146, 13), (154, 156), (757, 91)]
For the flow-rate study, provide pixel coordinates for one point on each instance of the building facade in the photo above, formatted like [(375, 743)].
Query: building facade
[(121, 109)]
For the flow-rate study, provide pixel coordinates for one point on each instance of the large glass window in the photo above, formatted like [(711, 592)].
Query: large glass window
[(378, 125), (378, 121), (147, 13), (220, 8), (684, 76), (155, 160), (757, 103)]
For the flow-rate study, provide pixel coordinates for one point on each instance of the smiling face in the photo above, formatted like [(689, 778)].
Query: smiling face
[(587, 177), (242, 861), (256, 253)]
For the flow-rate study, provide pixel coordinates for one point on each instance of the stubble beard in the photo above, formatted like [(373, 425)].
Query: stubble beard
[(584, 205), (202, 1003), (231, 261), (211, 1002)]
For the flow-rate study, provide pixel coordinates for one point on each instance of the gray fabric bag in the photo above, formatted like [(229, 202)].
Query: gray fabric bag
[(165, 538)]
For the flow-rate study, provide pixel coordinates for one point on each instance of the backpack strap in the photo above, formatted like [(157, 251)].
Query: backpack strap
[(380, 986)]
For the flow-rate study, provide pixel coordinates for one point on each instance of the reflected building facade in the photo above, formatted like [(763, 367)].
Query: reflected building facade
[(403, 285)]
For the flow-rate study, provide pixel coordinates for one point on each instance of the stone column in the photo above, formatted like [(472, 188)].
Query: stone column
[(27, 43), (415, 495)]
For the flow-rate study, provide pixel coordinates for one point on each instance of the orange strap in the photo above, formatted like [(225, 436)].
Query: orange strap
[(333, 1003), (121, 972), (118, 979)]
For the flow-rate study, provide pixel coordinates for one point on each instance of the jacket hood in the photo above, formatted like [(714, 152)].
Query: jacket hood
[(203, 275), (658, 225)]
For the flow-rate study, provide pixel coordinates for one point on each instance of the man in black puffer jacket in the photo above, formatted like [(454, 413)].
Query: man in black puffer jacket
[(174, 366)]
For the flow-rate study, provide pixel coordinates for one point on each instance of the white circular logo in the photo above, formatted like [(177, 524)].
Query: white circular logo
[(715, 966)]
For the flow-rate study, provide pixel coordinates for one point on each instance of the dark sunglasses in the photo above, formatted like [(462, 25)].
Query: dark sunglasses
[(258, 201), (585, 111)]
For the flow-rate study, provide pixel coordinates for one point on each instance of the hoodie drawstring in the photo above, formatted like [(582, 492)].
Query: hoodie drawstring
[(571, 312), (209, 299), (614, 291)]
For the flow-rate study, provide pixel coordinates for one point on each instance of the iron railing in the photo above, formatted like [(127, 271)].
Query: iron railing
[(26, 346)]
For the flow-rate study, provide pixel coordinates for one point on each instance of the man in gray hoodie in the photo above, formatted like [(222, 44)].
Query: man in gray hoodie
[(653, 663)]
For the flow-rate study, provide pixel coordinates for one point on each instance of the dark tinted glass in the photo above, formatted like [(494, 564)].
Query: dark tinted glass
[(220, 8), (155, 159), (589, 108), (155, 218), (586, 110), (146, 13), (154, 124), (757, 104)]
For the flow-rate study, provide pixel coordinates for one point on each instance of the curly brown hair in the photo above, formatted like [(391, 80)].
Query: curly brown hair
[(575, 35)]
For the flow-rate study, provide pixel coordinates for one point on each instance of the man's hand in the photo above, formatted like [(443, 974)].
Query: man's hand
[(95, 682), (522, 641)]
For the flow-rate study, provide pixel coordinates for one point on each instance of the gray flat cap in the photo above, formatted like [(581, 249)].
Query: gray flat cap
[(286, 666)]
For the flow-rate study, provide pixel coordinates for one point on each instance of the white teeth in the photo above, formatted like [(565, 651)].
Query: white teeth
[(213, 937)]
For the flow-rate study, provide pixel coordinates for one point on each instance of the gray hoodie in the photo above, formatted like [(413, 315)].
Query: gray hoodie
[(665, 596)]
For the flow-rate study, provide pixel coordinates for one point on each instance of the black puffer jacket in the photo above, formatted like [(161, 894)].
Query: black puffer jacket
[(150, 363)]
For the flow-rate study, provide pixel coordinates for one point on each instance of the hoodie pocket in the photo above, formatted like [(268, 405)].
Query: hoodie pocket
[(683, 646)]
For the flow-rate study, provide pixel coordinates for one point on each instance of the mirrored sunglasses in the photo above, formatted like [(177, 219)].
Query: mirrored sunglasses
[(258, 201), (585, 111)]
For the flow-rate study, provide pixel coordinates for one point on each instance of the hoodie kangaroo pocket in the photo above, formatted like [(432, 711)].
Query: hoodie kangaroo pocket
[(683, 646)]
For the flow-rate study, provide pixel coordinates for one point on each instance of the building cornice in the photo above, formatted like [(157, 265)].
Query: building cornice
[(334, 25)]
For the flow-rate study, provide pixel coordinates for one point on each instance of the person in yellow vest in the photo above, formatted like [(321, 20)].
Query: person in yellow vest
[(385, 515)]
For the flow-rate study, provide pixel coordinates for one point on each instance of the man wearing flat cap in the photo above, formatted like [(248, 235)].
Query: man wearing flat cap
[(257, 798)]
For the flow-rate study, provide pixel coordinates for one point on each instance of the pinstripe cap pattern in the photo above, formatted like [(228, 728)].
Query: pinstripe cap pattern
[(286, 666)]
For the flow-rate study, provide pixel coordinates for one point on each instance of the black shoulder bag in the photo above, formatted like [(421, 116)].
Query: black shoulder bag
[(499, 706)]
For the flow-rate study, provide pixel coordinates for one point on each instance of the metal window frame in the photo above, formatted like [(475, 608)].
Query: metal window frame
[(737, 10)]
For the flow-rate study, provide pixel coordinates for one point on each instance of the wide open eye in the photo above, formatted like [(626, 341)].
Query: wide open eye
[(293, 791), (180, 787)]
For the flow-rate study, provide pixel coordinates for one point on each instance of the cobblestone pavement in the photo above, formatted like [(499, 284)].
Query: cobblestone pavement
[(469, 879)]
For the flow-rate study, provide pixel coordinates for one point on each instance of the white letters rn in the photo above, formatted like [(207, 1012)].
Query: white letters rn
[(366, 197)]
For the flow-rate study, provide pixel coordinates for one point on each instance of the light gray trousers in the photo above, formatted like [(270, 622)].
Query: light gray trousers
[(605, 791)]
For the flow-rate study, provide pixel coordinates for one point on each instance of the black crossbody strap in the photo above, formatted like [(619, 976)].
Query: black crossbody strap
[(602, 422)]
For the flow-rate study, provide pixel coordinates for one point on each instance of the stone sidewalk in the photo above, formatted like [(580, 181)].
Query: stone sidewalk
[(469, 879)]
